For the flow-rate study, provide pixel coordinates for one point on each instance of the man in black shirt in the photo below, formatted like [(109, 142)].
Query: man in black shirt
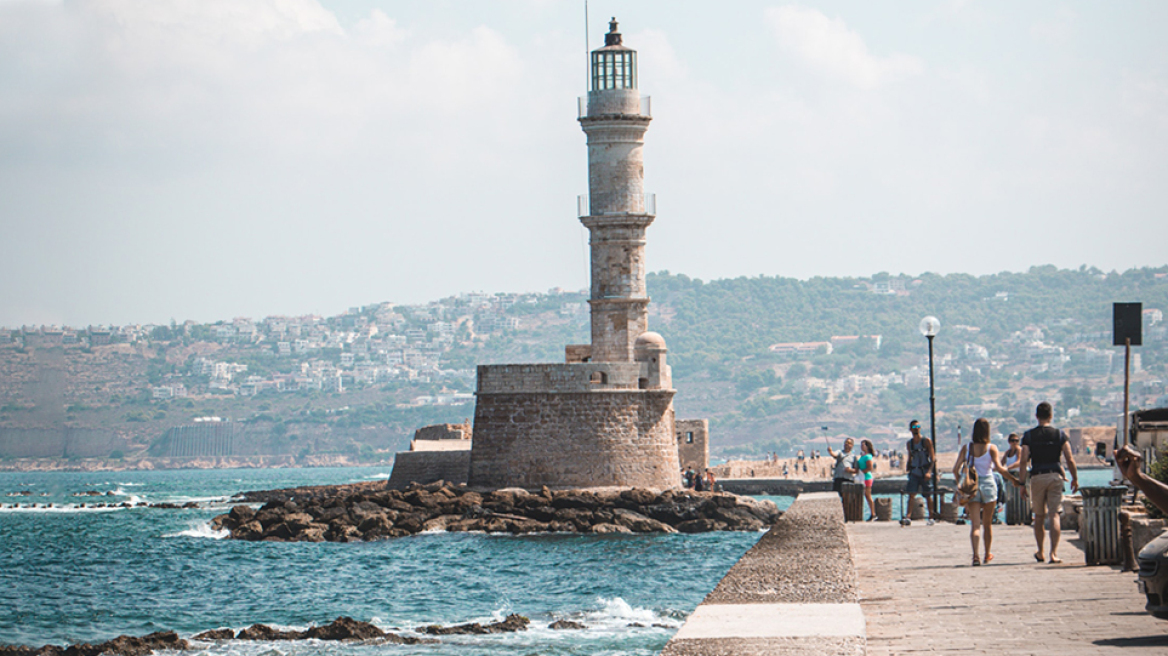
[(1042, 446)]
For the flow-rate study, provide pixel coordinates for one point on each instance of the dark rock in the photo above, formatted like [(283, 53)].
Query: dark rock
[(315, 533), (252, 530), (331, 513), (410, 522), (696, 526), (541, 513), (564, 625), (585, 500), (635, 625), (265, 632), (121, 645), (279, 531), (639, 523), (604, 528), (216, 634), (298, 521), (343, 533), (270, 516), (345, 628), (511, 624), (374, 522), (638, 496)]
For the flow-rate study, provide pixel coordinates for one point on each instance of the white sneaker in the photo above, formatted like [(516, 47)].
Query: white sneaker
[(930, 522)]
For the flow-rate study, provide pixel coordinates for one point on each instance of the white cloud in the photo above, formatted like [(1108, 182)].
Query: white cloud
[(829, 45), (1056, 28), (657, 55)]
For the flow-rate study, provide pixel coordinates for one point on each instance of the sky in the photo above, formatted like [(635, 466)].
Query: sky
[(211, 159)]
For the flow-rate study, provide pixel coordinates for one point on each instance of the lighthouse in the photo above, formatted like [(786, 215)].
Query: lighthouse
[(605, 416), (615, 119)]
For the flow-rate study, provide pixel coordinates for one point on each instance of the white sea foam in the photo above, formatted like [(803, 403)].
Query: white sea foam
[(617, 611), (66, 508), (200, 530), (375, 477), (130, 484)]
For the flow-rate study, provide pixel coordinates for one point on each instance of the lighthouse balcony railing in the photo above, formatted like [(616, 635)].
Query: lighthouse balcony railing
[(646, 107), (584, 207)]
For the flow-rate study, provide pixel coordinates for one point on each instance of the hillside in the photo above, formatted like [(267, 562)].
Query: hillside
[(771, 362)]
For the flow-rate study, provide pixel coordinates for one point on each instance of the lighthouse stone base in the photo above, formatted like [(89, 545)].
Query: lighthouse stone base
[(574, 425)]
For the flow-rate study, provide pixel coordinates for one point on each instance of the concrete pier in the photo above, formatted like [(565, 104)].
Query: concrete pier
[(795, 592), (813, 585)]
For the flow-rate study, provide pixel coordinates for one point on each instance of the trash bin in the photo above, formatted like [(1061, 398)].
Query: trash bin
[(1099, 525), (852, 496), (919, 509), (1017, 506), (949, 511)]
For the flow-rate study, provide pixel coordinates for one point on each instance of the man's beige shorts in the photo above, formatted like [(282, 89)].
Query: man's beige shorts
[(1046, 490)]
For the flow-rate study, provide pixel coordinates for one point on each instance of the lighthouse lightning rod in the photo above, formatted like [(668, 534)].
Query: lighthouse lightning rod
[(587, 64)]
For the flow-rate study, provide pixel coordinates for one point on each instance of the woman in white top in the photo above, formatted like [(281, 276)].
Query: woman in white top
[(1013, 454), (983, 457)]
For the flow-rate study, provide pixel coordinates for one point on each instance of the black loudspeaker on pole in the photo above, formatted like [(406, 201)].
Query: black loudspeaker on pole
[(1126, 331)]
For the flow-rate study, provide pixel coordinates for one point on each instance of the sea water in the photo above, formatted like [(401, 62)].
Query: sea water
[(83, 574)]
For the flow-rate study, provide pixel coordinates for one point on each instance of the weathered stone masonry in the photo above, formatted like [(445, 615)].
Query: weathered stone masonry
[(605, 417), (575, 439)]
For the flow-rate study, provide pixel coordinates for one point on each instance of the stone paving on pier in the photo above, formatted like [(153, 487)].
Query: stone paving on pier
[(920, 594), (814, 585)]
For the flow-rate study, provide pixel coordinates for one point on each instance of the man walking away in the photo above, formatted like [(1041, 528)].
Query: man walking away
[(1042, 447), (845, 465), (919, 466)]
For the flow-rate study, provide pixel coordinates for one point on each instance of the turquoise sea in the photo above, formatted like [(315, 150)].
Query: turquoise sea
[(73, 574)]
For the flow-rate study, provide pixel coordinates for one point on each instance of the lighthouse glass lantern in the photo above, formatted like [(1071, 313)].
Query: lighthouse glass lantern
[(614, 66)]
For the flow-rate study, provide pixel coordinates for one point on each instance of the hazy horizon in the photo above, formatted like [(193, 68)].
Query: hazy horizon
[(371, 302), (174, 160)]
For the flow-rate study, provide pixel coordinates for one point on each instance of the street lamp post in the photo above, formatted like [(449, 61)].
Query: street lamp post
[(929, 327)]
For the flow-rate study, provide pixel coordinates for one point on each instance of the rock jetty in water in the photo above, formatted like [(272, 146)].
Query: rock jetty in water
[(121, 646), (342, 628), (373, 514)]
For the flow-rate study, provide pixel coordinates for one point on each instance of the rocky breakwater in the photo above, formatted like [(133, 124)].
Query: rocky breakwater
[(373, 514)]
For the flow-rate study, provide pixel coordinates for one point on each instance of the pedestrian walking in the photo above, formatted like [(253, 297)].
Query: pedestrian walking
[(1042, 447), (983, 459), (919, 467)]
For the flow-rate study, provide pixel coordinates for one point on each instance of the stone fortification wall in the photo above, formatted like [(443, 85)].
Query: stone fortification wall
[(588, 439), (58, 443), (429, 467), (693, 443), (443, 432), (563, 378)]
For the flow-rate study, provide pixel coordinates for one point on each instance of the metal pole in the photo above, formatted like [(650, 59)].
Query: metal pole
[(933, 424), (1126, 384)]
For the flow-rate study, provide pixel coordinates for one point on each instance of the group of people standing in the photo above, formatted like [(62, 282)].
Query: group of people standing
[(697, 481), (1032, 462), (848, 466)]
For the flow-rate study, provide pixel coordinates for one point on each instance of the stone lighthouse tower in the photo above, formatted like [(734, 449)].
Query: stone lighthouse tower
[(618, 213), (605, 416)]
